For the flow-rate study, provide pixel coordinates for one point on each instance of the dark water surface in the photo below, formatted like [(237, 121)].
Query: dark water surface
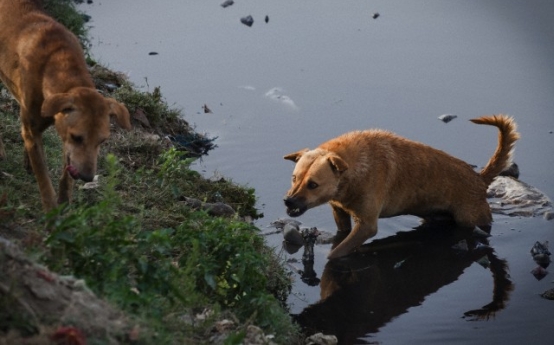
[(321, 68)]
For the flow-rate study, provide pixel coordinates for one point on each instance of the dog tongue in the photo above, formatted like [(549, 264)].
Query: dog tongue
[(72, 171)]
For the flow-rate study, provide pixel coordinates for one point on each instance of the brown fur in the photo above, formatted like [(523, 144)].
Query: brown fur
[(366, 175), (43, 66)]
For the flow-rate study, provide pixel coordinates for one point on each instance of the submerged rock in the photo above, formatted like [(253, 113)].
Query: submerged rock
[(292, 234)]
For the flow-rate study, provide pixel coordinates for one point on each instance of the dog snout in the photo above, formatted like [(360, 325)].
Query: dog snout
[(289, 202), (86, 177)]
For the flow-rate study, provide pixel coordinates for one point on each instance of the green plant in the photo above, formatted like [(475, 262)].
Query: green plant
[(203, 261), (65, 12)]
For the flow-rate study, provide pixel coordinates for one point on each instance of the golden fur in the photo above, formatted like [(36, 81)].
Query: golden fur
[(366, 175), (43, 66)]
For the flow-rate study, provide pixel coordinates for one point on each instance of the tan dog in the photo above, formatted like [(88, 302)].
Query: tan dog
[(375, 174), (43, 66)]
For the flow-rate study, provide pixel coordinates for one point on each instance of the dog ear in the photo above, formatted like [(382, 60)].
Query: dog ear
[(337, 163), (121, 113), (295, 156), (56, 103)]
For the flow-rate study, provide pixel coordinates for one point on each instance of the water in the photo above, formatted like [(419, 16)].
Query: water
[(321, 68)]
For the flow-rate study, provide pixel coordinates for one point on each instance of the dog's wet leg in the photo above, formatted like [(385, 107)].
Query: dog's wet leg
[(363, 229)]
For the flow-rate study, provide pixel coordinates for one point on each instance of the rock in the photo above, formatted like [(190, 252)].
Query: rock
[(512, 171), (37, 300), (140, 116), (516, 198), (321, 339), (217, 209), (325, 237), (292, 234)]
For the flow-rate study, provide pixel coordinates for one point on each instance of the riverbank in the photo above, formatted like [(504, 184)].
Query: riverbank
[(171, 273)]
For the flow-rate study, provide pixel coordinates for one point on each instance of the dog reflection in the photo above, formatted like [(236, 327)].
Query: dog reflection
[(363, 292)]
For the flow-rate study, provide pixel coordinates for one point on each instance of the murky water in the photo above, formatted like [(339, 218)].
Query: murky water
[(320, 68)]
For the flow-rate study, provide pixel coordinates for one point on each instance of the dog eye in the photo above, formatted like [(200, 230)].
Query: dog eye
[(77, 139), (312, 185)]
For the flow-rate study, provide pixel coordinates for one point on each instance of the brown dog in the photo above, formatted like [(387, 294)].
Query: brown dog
[(375, 174), (43, 66)]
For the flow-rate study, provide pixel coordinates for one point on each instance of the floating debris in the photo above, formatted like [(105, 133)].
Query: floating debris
[(540, 248), (480, 233), (206, 109), (541, 254), (375, 15), (539, 272), (447, 117), (461, 246), (227, 3), (480, 245), (277, 94), (548, 294), (248, 20), (399, 264), (267, 19), (484, 261), (153, 53)]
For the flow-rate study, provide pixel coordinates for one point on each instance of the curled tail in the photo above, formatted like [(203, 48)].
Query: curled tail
[(507, 137)]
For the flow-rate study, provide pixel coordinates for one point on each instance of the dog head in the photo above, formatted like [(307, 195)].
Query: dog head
[(82, 118), (315, 179)]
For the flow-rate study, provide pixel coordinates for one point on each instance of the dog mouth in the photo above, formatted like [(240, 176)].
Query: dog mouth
[(73, 172), (295, 212)]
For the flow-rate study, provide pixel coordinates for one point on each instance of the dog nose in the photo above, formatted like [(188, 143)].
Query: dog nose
[(87, 177), (289, 202)]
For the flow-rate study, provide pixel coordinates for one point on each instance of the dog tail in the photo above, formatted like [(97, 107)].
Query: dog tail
[(507, 137)]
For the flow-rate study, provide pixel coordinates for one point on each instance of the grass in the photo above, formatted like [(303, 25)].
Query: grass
[(133, 240)]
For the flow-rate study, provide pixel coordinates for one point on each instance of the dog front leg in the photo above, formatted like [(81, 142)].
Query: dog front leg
[(66, 186), (35, 153), (2, 151), (362, 231), (342, 219)]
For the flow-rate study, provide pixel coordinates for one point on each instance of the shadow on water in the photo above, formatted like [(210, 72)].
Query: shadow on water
[(365, 291)]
